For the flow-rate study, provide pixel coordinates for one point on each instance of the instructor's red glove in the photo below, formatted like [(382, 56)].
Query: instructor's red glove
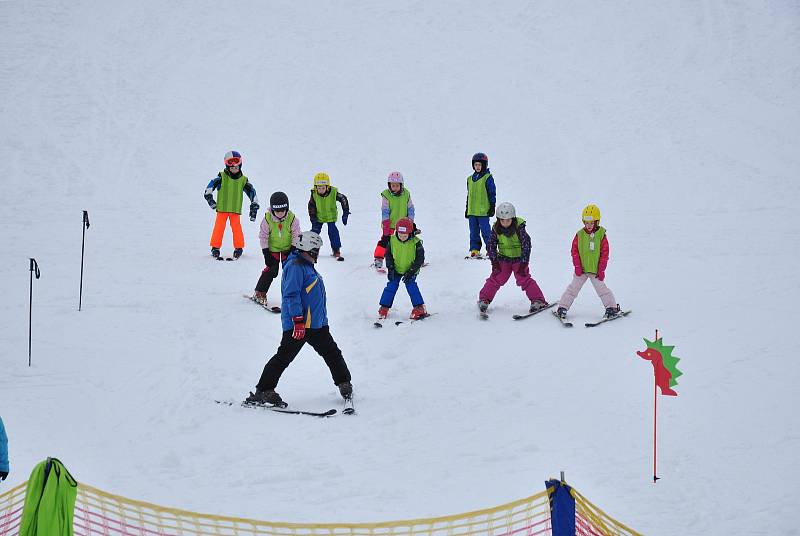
[(299, 327)]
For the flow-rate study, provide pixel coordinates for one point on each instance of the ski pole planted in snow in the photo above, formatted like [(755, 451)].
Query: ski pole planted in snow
[(83, 240), (34, 268)]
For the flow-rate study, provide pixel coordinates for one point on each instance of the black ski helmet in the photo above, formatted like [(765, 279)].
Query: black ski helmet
[(278, 201), (482, 158)]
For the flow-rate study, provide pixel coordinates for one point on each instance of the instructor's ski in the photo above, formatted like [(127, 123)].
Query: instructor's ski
[(530, 314), (607, 319), (280, 409)]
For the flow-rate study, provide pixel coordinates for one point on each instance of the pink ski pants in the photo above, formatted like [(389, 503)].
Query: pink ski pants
[(498, 278), (605, 294)]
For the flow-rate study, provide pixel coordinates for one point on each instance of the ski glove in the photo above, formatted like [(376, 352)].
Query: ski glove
[(601, 275), (269, 260), (253, 211), (390, 274), (491, 210), (3, 475), (211, 202), (408, 276), (344, 217), (299, 328)]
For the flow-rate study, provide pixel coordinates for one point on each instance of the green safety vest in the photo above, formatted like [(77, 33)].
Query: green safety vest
[(280, 232), (477, 196), (229, 197), (510, 246), (589, 249), (403, 253), (326, 205), (398, 204), (49, 501)]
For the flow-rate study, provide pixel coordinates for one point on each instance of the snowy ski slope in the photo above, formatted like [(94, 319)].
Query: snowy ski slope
[(679, 119)]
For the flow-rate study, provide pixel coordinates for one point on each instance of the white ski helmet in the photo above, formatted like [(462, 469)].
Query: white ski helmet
[(506, 211), (307, 241)]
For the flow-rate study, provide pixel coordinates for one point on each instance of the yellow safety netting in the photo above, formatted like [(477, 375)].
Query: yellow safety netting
[(591, 521), (101, 513)]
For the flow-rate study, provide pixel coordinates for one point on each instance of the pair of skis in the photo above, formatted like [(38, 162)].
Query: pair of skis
[(568, 324), (380, 321), (484, 315), (347, 409)]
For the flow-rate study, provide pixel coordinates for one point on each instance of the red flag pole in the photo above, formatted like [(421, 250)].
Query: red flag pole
[(655, 417)]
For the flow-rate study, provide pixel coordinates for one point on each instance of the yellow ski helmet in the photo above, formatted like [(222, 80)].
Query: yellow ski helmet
[(591, 213), (322, 179)]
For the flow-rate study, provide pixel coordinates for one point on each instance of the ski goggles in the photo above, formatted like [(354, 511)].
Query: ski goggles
[(233, 161)]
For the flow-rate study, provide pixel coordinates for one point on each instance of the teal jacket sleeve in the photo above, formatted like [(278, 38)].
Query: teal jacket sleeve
[(4, 465)]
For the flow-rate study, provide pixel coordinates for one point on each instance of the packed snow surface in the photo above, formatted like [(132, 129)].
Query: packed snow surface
[(679, 119)]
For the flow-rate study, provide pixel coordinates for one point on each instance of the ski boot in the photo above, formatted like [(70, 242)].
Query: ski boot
[(215, 253), (346, 390), (237, 253), (265, 398), (537, 305), (611, 312), (475, 253), (418, 312), (383, 312), (561, 312), (260, 297), (483, 305)]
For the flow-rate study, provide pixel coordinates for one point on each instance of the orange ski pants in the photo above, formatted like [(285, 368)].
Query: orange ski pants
[(219, 230)]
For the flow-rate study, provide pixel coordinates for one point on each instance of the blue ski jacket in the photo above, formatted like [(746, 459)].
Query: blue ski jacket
[(3, 448), (303, 294)]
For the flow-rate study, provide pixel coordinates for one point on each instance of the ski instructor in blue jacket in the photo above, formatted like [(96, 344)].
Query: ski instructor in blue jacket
[(4, 467), (304, 318)]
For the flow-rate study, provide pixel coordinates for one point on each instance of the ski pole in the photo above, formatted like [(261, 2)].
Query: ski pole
[(34, 268), (83, 240)]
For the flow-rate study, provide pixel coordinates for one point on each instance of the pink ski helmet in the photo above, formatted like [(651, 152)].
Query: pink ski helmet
[(395, 177)]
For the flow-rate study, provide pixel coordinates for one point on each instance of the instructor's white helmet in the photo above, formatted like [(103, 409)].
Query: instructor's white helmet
[(506, 211), (307, 241)]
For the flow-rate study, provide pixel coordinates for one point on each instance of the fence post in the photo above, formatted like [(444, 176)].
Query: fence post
[(562, 508)]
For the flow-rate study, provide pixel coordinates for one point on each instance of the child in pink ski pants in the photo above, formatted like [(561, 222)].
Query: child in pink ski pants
[(509, 250)]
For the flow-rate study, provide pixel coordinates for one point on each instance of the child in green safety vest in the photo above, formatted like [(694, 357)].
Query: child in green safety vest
[(278, 228), (510, 252), (589, 257), (404, 258), (395, 204), (232, 186), (481, 196), (322, 209)]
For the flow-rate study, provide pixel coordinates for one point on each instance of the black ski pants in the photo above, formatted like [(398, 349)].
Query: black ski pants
[(320, 340), (268, 274)]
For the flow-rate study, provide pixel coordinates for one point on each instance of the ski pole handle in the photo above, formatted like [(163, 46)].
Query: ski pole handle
[(86, 219), (35, 267)]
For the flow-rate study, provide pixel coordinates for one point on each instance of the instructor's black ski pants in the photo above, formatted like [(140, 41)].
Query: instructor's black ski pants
[(320, 340)]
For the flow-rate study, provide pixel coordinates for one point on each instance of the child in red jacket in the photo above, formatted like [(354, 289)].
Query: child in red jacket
[(590, 258)]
